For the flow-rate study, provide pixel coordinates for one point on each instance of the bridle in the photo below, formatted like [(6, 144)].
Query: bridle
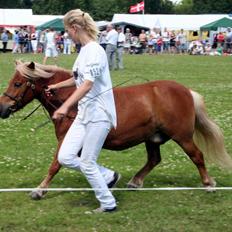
[(29, 84), (25, 87)]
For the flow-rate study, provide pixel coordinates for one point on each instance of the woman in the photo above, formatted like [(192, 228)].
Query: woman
[(96, 109)]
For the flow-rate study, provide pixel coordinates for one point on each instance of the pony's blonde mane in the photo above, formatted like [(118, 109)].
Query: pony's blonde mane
[(40, 71)]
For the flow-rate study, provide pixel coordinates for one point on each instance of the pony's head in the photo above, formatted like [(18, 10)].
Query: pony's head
[(27, 83)]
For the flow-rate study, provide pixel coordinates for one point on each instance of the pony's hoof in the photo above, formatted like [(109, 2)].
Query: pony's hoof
[(37, 194), (132, 185), (210, 188)]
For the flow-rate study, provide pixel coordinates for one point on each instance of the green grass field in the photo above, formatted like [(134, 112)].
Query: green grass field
[(26, 153)]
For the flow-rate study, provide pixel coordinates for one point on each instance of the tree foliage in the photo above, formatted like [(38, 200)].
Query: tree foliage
[(212, 7), (105, 9)]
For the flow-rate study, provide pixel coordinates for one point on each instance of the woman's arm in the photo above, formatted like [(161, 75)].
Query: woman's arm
[(77, 95), (63, 84), (67, 83)]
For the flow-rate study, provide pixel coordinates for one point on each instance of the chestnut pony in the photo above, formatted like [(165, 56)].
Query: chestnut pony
[(150, 113)]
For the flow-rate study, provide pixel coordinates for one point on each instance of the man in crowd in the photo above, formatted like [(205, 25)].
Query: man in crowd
[(111, 47), (120, 48), (4, 38)]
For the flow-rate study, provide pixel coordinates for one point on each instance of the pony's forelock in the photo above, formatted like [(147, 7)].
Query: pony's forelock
[(40, 71)]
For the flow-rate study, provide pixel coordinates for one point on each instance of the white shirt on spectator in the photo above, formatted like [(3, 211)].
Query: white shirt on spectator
[(112, 37), (121, 37)]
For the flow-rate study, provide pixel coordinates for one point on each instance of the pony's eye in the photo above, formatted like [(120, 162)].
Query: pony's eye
[(17, 84)]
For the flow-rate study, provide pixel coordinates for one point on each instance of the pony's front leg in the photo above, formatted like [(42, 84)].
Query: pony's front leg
[(153, 159), (38, 193)]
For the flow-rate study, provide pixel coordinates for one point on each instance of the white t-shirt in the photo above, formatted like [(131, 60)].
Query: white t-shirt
[(98, 104), (112, 37), (121, 38), (50, 39)]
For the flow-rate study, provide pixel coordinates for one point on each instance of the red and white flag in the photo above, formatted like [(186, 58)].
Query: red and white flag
[(137, 8)]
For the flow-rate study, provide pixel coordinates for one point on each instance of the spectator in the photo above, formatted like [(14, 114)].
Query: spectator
[(112, 40), (4, 38), (15, 42), (159, 44), (215, 41), (150, 44), (67, 43), (41, 42), (208, 49), (182, 41), (221, 38), (102, 39), (143, 40), (228, 40), (166, 40), (155, 35), (50, 51), (128, 36), (34, 41), (22, 39), (173, 42), (120, 48)]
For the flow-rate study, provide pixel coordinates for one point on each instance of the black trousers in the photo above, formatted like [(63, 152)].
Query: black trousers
[(4, 46)]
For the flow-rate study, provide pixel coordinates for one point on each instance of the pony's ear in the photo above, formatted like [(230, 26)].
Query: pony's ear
[(17, 62), (31, 65)]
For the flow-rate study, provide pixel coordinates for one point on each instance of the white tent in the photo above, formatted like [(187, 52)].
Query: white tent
[(15, 17), (171, 22), (40, 19), (12, 18)]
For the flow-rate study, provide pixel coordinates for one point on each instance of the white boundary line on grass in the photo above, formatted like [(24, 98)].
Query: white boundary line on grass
[(114, 189)]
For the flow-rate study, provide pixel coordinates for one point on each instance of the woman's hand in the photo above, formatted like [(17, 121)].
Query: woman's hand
[(60, 113), (50, 89)]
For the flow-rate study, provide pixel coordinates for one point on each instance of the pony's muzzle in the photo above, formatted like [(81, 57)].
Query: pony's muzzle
[(5, 110)]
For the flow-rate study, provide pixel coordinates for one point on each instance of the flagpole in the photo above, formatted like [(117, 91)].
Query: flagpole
[(144, 7)]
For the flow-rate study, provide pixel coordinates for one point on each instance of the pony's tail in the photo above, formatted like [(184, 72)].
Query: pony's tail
[(208, 136)]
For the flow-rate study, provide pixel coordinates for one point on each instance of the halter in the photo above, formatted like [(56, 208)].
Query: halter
[(19, 99)]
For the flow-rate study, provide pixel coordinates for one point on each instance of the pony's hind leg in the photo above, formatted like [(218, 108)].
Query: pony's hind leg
[(153, 158), (197, 157)]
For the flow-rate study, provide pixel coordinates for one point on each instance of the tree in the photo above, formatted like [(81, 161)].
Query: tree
[(184, 7), (212, 6), (10, 4)]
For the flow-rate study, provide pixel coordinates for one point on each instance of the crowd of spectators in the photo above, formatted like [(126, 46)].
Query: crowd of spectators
[(29, 40), (174, 42), (154, 41)]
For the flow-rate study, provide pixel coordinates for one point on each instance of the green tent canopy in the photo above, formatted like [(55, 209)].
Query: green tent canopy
[(224, 22), (57, 24)]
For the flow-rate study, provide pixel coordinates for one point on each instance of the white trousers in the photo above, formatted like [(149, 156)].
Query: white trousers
[(119, 57), (67, 48), (90, 138)]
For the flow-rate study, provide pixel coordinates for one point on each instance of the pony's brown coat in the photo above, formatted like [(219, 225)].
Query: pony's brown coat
[(152, 113)]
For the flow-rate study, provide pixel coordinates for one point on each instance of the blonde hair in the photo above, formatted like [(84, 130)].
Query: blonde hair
[(81, 19), (39, 70)]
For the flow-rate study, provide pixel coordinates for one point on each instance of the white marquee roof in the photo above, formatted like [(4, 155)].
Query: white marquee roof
[(21, 17), (15, 17), (170, 21)]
